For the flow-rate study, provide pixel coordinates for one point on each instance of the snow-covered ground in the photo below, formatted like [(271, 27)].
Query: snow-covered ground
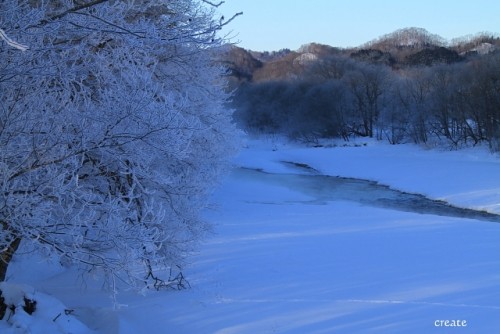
[(280, 261)]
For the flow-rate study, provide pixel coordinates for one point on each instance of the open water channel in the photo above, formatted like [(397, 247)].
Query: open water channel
[(333, 188)]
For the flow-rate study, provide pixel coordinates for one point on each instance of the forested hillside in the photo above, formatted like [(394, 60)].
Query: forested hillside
[(407, 86)]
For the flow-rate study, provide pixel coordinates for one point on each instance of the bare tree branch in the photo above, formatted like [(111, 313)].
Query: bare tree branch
[(76, 8), (213, 4)]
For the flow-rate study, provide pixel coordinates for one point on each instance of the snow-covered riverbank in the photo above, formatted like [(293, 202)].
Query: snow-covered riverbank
[(280, 261)]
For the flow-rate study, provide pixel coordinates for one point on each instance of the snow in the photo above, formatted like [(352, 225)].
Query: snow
[(306, 58), (50, 315), (280, 261), (484, 48)]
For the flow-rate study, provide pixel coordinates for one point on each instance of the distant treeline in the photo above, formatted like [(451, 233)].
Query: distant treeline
[(338, 96)]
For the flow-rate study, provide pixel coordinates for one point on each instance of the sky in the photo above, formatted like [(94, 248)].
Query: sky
[(270, 25)]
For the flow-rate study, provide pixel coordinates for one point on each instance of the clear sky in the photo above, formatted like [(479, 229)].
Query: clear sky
[(275, 24)]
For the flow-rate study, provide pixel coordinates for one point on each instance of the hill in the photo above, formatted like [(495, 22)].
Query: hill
[(402, 48)]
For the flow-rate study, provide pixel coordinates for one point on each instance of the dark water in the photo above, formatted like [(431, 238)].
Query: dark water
[(330, 188)]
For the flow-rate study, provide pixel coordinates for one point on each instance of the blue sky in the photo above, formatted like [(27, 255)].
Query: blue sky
[(276, 24)]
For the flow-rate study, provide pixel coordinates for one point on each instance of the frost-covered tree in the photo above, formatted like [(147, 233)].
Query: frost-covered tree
[(368, 85), (112, 131), (479, 95)]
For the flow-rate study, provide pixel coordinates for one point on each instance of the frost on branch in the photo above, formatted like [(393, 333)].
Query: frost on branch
[(11, 42), (112, 131)]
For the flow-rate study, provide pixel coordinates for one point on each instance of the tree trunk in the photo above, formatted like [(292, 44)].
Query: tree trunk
[(6, 256)]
